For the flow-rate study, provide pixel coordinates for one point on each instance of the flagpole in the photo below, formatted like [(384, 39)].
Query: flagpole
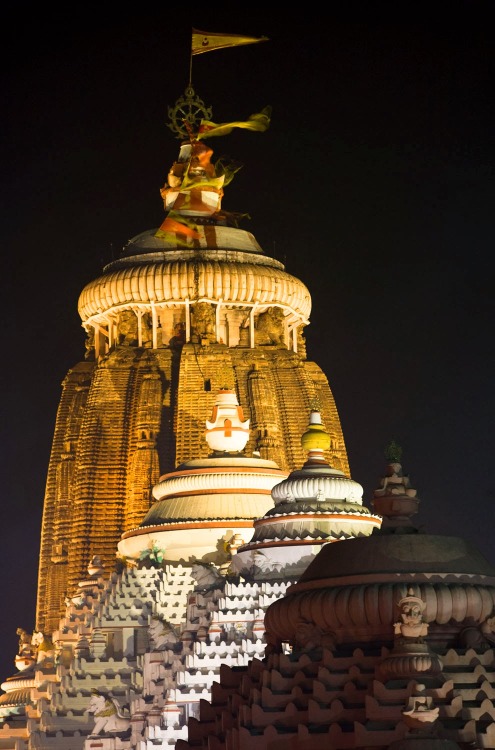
[(190, 66)]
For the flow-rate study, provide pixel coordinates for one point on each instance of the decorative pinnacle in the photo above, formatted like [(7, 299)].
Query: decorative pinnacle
[(187, 113), (393, 453), (315, 438), (314, 403)]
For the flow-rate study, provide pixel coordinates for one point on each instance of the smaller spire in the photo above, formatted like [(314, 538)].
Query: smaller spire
[(395, 499), (315, 440), (226, 430), (393, 453)]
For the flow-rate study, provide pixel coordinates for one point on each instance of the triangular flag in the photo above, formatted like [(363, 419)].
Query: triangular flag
[(207, 41)]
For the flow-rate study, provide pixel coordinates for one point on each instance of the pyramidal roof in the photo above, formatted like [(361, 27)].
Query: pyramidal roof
[(313, 506)]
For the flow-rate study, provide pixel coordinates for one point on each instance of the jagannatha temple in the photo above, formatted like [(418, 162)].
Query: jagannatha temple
[(210, 574)]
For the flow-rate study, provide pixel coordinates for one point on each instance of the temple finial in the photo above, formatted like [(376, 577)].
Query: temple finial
[(393, 453)]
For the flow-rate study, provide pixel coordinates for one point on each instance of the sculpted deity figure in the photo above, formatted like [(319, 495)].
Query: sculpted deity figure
[(411, 625)]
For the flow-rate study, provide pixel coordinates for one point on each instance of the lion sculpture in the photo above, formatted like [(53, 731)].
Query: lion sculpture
[(162, 634), (204, 321), (109, 718), (207, 577), (269, 329), (45, 648)]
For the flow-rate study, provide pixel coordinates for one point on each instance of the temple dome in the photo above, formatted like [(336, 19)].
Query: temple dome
[(352, 590), (227, 267), (313, 506)]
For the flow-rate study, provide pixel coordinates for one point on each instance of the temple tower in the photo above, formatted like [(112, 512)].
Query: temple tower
[(188, 309)]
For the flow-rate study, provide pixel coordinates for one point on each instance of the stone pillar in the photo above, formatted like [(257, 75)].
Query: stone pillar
[(153, 326), (140, 332), (188, 321)]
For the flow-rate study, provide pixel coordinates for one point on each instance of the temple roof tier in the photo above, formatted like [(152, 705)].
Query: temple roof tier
[(226, 275)]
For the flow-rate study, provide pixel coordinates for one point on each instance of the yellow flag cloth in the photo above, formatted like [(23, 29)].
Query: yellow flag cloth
[(207, 41), (259, 121), (176, 224)]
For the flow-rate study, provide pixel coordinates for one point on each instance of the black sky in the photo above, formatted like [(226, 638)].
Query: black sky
[(374, 185)]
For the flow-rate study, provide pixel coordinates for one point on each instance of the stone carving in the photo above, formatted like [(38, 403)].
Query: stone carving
[(269, 329), (410, 655), (89, 344), (127, 329), (479, 637), (411, 626), (207, 577), (488, 628), (109, 718), (24, 641), (96, 566), (420, 714), (395, 483), (310, 636), (203, 321), (44, 646), (162, 633), (301, 343), (27, 652), (179, 337), (264, 562), (78, 600)]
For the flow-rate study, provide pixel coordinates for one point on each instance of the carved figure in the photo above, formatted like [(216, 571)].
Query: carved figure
[(479, 637), (263, 561), (27, 652), (179, 337), (204, 320), (206, 576), (162, 633), (411, 626), (109, 718), (269, 327), (310, 636), (25, 640), (395, 483), (420, 714), (78, 600), (301, 343), (89, 343), (488, 629), (127, 329), (44, 645)]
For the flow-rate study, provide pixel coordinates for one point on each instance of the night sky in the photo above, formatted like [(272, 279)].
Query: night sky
[(374, 185)]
